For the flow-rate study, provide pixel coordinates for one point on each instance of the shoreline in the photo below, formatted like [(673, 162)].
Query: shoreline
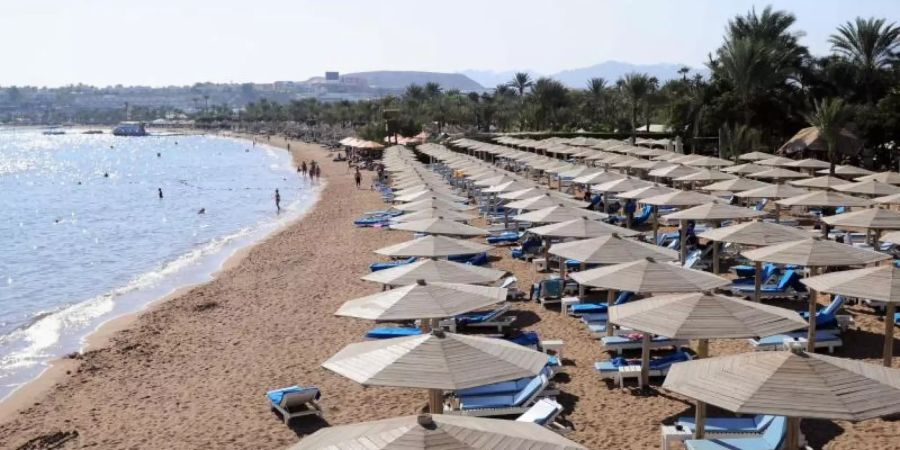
[(102, 335)]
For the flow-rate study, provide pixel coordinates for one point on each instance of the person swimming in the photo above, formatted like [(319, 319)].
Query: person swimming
[(160, 192), (277, 200), (202, 211)]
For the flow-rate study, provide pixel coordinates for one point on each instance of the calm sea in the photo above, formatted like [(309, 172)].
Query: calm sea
[(84, 236)]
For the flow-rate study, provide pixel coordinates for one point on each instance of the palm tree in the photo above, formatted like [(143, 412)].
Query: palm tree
[(551, 96), (636, 86), (829, 117), (870, 45), (521, 81), (596, 89), (738, 139), (432, 89)]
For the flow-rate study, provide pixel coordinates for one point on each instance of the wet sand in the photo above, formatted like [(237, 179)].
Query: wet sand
[(191, 372)]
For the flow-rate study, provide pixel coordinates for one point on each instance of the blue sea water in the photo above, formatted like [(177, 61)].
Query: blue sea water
[(84, 236)]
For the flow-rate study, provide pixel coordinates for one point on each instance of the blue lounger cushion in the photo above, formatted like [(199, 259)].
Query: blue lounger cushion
[(527, 338), (617, 340), (771, 439), (392, 332), (504, 388), (755, 424), (597, 327), (588, 308), (778, 339), (375, 267), (897, 318), (595, 318), (275, 396), (504, 401)]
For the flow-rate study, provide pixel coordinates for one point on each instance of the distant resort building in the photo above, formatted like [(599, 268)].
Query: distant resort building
[(130, 129)]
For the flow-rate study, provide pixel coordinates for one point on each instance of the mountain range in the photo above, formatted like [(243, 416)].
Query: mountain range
[(577, 78)]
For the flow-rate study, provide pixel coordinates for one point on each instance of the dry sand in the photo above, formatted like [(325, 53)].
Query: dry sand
[(192, 371)]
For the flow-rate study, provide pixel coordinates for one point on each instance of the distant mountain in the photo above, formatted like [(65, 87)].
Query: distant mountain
[(490, 79), (613, 70), (577, 78), (391, 79)]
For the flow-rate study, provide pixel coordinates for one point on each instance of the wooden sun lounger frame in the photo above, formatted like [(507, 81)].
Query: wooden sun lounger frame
[(546, 391)]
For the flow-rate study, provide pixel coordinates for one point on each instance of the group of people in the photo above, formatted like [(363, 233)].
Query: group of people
[(313, 170)]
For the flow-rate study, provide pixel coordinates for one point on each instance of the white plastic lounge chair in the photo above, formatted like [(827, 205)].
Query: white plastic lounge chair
[(619, 344), (503, 404), (716, 428), (295, 401), (496, 318), (771, 439), (659, 367), (544, 413), (824, 339)]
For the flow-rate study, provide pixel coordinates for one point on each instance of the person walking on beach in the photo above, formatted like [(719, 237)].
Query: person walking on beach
[(318, 172), (357, 177), (303, 168), (278, 200)]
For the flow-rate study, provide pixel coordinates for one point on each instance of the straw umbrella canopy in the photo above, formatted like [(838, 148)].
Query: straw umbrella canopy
[(432, 213), (672, 171), (702, 316), (888, 199), (789, 383), (735, 185), (433, 247), (823, 182), (646, 192), (436, 432), (432, 202), (706, 175), (531, 192), (677, 198), (710, 212), (439, 225), (422, 300), (754, 156), (774, 191), (775, 161), (847, 171), (871, 188), (708, 161), (581, 228), (893, 236), (437, 361), (435, 270), (869, 219), (598, 177), (812, 253), (494, 180), (825, 198), (649, 276), (429, 193), (808, 163), (744, 169), (755, 233), (509, 186), (778, 174), (884, 177), (621, 185), (559, 213), (545, 201), (611, 249), (875, 283)]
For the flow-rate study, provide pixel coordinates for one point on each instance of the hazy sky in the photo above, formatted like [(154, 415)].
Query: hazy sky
[(160, 42)]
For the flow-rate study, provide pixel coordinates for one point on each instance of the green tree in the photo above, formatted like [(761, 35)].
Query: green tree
[(870, 46), (829, 117), (636, 87), (521, 81)]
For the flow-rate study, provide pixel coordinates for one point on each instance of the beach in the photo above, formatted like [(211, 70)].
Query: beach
[(192, 371)]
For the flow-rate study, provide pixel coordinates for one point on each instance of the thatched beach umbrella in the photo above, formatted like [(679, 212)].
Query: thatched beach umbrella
[(544, 201), (434, 270), (432, 202), (773, 191), (812, 253), (825, 198), (431, 213), (789, 383), (559, 213), (884, 177), (871, 188), (778, 174), (433, 247), (531, 192), (611, 249), (422, 300), (822, 182), (775, 161), (755, 233), (677, 198), (875, 283), (439, 225), (581, 228), (649, 276), (754, 156), (708, 161), (734, 185), (702, 316), (436, 432), (437, 361), (429, 193), (744, 169), (888, 200), (646, 192), (709, 212), (847, 171)]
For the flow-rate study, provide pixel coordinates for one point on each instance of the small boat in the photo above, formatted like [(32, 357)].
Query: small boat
[(130, 129), (92, 132), (53, 132)]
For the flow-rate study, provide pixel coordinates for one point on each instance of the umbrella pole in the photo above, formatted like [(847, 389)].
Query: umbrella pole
[(581, 286), (683, 240), (610, 300), (699, 420), (813, 307), (757, 282), (655, 224), (890, 310), (702, 348), (793, 434), (436, 401), (645, 359)]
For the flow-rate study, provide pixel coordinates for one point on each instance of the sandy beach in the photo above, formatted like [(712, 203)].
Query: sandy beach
[(191, 372)]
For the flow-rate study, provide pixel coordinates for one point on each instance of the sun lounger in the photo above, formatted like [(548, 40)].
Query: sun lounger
[(526, 338), (771, 439), (747, 274), (824, 339), (487, 319), (544, 413), (549, 291), (503, 404), (375, 267), (827, 318), (392, 332), (619, 344), (788, 285), (295, 401), (644, 216), (619, 369), (716, 428), (506, 237), (897, 318)]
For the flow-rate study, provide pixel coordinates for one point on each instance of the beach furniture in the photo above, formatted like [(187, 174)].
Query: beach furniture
[(620, 369), (828, 318), (544, 413), (619, 344), (824, 339), (506, 237), (392, 332), (505, 387), (295, 401), (716, 428), (375, 267), (504, 404), (579, 309), (495, 318), (787, 285), (746, 273), (771, 439), (548, 291)]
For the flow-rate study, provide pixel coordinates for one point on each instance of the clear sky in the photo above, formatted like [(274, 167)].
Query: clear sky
[(161, 42)]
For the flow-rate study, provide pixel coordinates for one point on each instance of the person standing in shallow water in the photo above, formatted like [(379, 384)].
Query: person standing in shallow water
[(303, 168), (277, 200), (159, 190)]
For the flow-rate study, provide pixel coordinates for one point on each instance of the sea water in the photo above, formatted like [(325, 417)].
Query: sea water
[(84, 236)]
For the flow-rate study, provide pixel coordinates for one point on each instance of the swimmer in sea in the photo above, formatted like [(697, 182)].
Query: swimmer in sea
[(277, 200), (202, 211), (160, 192)]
